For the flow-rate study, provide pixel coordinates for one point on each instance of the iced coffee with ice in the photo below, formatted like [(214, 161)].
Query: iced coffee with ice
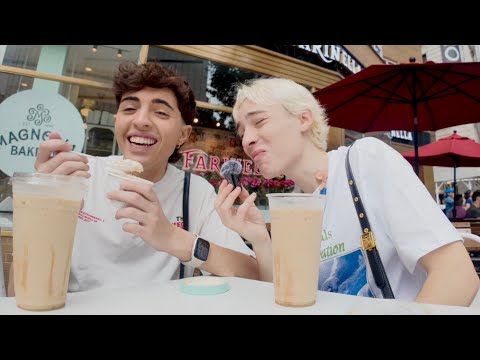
[(45, 212), (296, 221)]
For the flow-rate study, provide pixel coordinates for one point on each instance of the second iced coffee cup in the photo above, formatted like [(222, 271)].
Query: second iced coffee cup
[(45, 213), (296, 221)]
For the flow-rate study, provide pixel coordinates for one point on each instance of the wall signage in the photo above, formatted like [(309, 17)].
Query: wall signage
[(334, 53), (27, 118)]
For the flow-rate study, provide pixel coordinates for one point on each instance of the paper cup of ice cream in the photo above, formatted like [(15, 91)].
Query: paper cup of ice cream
[(119, 171)]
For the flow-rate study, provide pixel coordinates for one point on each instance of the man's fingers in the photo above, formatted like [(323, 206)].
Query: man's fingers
[(84, 174), (133, 199), (242, 209), (223, 184), (55, 135), (223, 191), (244, 194), (64, 163), (132, 228), (143, 189), (230, 199), (130, 213), (69, 167), (47, 147)]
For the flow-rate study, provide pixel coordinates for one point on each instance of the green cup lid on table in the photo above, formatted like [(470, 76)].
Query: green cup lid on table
[(204, 285)]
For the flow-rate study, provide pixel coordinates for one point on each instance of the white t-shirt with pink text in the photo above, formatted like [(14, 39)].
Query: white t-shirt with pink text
[(106, 256)]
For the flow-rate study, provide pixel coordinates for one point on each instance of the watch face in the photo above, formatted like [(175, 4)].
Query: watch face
[(201, 249)]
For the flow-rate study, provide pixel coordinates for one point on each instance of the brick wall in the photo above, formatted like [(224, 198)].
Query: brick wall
[(7, 249), (402, 53), (365, 54)]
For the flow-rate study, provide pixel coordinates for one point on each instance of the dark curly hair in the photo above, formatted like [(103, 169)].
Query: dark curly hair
[(134, 77)]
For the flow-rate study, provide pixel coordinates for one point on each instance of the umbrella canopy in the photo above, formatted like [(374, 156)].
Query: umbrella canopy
[(453, 151), (414, 97)]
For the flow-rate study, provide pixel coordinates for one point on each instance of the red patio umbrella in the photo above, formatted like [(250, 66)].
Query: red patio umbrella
[(414, 97), (452, 151)]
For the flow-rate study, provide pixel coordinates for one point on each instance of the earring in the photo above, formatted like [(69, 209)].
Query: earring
[(178, 146)]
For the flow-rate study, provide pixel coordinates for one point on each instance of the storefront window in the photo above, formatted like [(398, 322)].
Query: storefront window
[(222, 82), (100, 141), (100, 65), (389, 137), (213, 132), (219, 141), (92, 62), (22, 56), (210, 147), (211, 82), (11, 84), (86, 99), (97, 107), (215, 119)]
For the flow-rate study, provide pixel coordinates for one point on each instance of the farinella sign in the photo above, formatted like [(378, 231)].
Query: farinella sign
[(330, 53), (401, 134), (26, 119)]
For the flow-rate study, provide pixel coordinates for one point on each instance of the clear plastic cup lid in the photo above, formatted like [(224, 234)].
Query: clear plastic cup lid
[(40, 178), (49, 185)]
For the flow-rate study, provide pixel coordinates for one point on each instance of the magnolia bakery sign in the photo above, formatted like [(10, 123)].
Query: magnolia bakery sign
[(27, 118)]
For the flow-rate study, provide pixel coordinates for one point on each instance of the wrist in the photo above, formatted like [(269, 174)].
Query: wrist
[(181, 242), (200, 252), (260, 238)]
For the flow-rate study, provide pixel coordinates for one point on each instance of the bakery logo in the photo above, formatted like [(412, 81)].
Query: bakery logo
[(26, 120), (39, 115)]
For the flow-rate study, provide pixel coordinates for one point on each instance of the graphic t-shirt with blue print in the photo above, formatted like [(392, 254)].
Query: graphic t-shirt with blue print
[(340, 271), (378, 169)]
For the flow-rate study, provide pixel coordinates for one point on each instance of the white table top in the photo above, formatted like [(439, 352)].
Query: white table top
[(244, 297)]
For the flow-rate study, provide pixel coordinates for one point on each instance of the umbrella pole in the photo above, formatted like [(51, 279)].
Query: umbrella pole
[(415, 122), (415, 142), (454, 187)]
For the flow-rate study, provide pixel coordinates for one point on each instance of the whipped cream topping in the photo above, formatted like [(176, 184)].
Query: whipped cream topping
[(125, 169), (126, 166)]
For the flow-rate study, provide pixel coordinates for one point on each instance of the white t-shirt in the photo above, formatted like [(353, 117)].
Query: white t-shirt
[(406, 222), (106, 256)]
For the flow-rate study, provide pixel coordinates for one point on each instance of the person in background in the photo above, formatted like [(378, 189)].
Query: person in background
[(156, 108), (449, 201), (474, 210), (441, 198), (284, 131), (458, 212), (468, 199)]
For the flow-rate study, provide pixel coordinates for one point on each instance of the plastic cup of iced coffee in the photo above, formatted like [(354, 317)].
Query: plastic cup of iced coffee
[(45, 213), (296, 228)]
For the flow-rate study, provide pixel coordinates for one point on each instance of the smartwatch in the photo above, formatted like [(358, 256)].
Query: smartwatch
[(200, 250)]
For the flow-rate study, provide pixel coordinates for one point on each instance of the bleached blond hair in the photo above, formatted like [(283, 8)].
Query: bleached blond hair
[(292, 96)]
